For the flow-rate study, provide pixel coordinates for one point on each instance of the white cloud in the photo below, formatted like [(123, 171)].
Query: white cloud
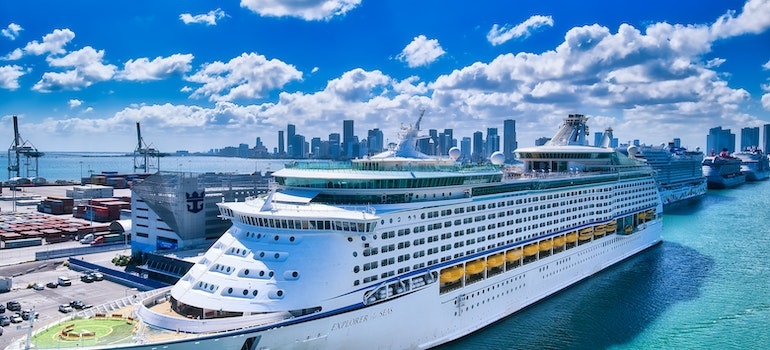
[(12, 31), (716, 62), (88, 110), (499, 35), (186, 89), (421, 52), (754, 19), (75, 103), (766, 65), (247, 76), (309, 10), (87, 69), (9, 77), (53, 43), (14, 55), (209, 19), (159, 68)]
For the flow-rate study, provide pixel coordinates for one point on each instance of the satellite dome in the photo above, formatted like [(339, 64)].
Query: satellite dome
[(632, 151), (497, 158), (454, 153)]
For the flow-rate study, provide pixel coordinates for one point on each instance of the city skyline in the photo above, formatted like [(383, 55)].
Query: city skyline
[(205, 75)]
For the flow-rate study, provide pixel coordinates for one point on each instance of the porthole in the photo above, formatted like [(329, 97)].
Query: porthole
[(228, 269), (279, 293), (355, 254), (275, 238), (261, 254), (356, 269), (229, 291), (245, 292), (295, 274), (246, 272), (211, 287), (261, 273), (270, 274), (259, 235), (254, 292), (350, 239), (291, 239), (277, 255)]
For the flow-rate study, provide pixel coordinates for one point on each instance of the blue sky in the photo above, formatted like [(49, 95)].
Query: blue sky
[(208, 74)]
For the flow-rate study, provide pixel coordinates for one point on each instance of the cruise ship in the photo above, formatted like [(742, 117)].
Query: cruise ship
[(754, 164), (677, 170), (395, 251), (723, 171)]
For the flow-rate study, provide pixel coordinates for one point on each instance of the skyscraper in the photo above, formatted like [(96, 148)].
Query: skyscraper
[(509, 139), (766, 144), (719, 139), (290, 132), (465, 149), (281, 151), (334, 145), (749, 138), (347, 138), (478, 147), (374, 140), (493, 142)]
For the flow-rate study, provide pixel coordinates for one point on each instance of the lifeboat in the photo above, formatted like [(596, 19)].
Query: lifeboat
[(600, 230), (546, 244), (558, 241), (531, 249), (514, 254), (612, 226), (586, 233), (650, 214), (451, 274), (496, 260), (628, 229), (642, 215), (572, 237), (476, 266)]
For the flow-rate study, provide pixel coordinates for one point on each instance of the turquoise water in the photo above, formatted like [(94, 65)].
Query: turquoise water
[(707, 286)]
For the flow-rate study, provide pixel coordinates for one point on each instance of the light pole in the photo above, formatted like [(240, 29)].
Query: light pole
[(81, 173)]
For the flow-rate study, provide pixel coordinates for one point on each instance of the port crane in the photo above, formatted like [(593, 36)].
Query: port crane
[(22, 150), (145, 156)]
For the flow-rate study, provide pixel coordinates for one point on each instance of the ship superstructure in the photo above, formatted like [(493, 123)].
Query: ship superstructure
[(678, 171), (754, 164), (349, 255)]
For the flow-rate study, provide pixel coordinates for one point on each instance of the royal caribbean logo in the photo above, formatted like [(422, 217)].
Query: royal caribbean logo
[(195, 201)]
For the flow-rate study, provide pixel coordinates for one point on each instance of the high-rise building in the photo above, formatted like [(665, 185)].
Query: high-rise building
[(478, 147), (374, 141), (315, 147), (465, 149), (290, 132), (749, 138), (347, 138), (541, 141), (598, 138), (509, 139), (445, 141), (719, 139), (334, 145), (766, 144), (281, 151), (493, 142)]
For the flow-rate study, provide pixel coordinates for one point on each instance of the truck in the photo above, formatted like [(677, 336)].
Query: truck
[(110, 238), (87, 239), (6, 283)]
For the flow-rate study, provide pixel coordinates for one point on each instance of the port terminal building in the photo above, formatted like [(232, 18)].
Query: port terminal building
[(174, 214)]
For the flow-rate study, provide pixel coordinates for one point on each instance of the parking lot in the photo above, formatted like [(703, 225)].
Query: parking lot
[(47, 300)]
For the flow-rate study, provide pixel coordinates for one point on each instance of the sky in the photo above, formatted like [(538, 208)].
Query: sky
[(202, 75)]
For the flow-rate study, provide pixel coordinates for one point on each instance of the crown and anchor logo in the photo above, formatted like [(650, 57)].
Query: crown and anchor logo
[(195, 201)]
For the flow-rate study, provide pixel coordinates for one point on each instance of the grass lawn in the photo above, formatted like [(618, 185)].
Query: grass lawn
[(104, 330)]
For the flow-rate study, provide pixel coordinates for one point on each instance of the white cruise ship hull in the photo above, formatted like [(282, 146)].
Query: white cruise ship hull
[(425, 318)]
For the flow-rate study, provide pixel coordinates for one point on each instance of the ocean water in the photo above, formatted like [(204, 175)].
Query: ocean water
[(707, 286), (74, 165)]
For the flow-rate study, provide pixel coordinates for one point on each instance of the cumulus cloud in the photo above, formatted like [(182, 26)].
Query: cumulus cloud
[(9, 76), (75, 103), (53, 43), (87, 68), (766, 65), (309, 10), (753, 19), (247, 76), (209, 19), (499, 35), (12, 31), (421, 52), (159, 68)]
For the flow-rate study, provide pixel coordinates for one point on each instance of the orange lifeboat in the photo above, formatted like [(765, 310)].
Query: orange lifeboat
[(586, 233), (496, 260), (451, 274), (599, 230), (546, 244), (530, 249), (612, 226), (514, 255), (476, 266), (558, 241), (572, 237)]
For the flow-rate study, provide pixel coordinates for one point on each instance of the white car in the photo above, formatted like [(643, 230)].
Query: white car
[(65, 308), (16, 318)]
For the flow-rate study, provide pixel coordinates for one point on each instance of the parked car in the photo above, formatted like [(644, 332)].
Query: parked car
[(64, 281), (13, 305), (38, 286), (1, 331), (27, 314), (2, 309), (65, 308), (52, 285), (98, 276), (87, 278), (4, 320), (16, 318), (77, 304)]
